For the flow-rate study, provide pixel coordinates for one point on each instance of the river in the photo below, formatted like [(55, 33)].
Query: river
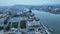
[(51, 21)]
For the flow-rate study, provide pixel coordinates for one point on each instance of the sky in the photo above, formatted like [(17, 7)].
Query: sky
[(28, 2)]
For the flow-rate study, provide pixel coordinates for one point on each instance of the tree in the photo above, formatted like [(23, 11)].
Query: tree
[(23, 24)]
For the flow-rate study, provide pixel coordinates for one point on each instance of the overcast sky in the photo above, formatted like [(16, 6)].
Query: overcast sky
[(28, 2)]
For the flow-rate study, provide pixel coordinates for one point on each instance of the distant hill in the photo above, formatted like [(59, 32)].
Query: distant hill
[(25, 6), (29, 6)]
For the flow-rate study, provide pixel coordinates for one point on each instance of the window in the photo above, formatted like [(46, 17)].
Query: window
[(31, 30)]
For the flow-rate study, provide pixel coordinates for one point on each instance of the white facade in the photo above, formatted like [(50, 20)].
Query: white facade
[(3, 17), (1, 22)]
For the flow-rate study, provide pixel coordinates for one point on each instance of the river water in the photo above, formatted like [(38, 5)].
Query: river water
[(51, 21)]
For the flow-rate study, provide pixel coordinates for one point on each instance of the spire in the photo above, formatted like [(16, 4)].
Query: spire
[(30, 11)]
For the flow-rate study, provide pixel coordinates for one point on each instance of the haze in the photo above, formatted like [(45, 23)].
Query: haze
[(28, 2)]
